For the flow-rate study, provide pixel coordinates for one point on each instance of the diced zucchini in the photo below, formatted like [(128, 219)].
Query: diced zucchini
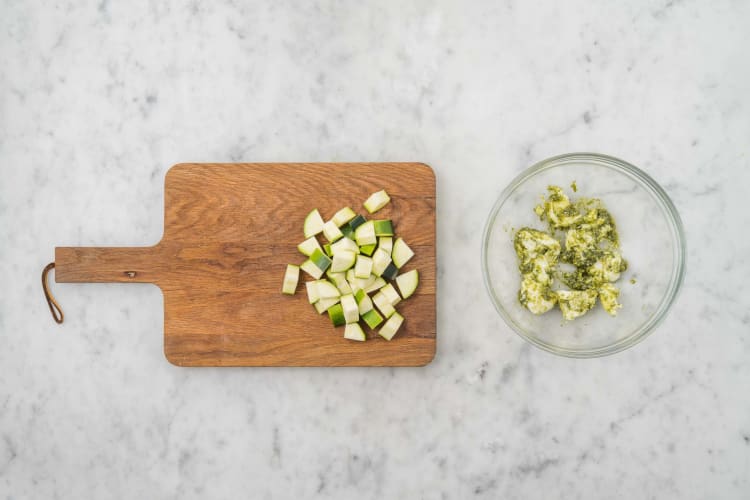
[(372, 318), (383, 304), (351, 278), (407, 283), (401, 253), (356, 222), (336, 313), (310, 268), (291, 278), (364, 302), (364, 283), (376, 201), (313, 224), (391, 294), (375, 285), (391, 326), (327, 290), (308, 246), (365, 234), (363, 268), (390, 272), (360, 258), (343, 216), (339, 279), (343, 261), (320, 259), (385, 243), (324, 304), (365, 305), (354, 332), (380, 261), (367, 249), (312, 291), (351, 310), (344, 287), (344, 244), (383, 227), (332, 232)]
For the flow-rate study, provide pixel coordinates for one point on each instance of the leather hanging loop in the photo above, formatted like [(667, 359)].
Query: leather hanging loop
[(54, 307)]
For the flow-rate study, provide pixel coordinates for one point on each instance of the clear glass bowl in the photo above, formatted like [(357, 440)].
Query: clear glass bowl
[(651, 237)]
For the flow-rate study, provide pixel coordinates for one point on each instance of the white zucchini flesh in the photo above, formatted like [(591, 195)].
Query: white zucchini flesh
[(389, 329), (353, 331), (342, 261), (312, 291), (339, 279), (291, 278), (365, 305), (380, 261), (383, 304), (324, 304), (363, 268), (375, 285), (376, 201), (313, 224), (352, 280), (401, 253), (335, 277), (365, 234), (364, 302), (365, 283), (391, 294), (327, 290), (310, 268), (344, 245), (351, 310), (308, 246), (332, 232), (343, 216), (407, 283), (344, 287), (385, 243)]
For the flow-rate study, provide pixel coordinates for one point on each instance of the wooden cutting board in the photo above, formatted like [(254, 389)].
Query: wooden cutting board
[(229, 232)]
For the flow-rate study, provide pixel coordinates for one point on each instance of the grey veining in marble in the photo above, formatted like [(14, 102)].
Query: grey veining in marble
[(97, 100)]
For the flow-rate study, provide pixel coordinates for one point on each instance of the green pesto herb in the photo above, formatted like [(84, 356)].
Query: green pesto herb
[(537, 253), (574, 186), (581, 233)]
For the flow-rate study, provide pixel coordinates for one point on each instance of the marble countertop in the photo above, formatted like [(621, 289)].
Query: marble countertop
[(98, 100)]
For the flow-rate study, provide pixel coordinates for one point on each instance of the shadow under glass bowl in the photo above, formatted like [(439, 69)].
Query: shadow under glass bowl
[(651, 238)]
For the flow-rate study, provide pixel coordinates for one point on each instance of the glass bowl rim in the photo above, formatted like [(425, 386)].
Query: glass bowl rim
[(674, 223)]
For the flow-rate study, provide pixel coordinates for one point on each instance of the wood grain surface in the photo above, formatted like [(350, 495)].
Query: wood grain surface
[(229, 232)]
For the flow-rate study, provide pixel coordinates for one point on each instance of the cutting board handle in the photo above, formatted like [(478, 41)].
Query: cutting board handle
[(106, 265)]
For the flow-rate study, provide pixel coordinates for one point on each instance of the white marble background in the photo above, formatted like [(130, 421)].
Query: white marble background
[(97, 100)]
